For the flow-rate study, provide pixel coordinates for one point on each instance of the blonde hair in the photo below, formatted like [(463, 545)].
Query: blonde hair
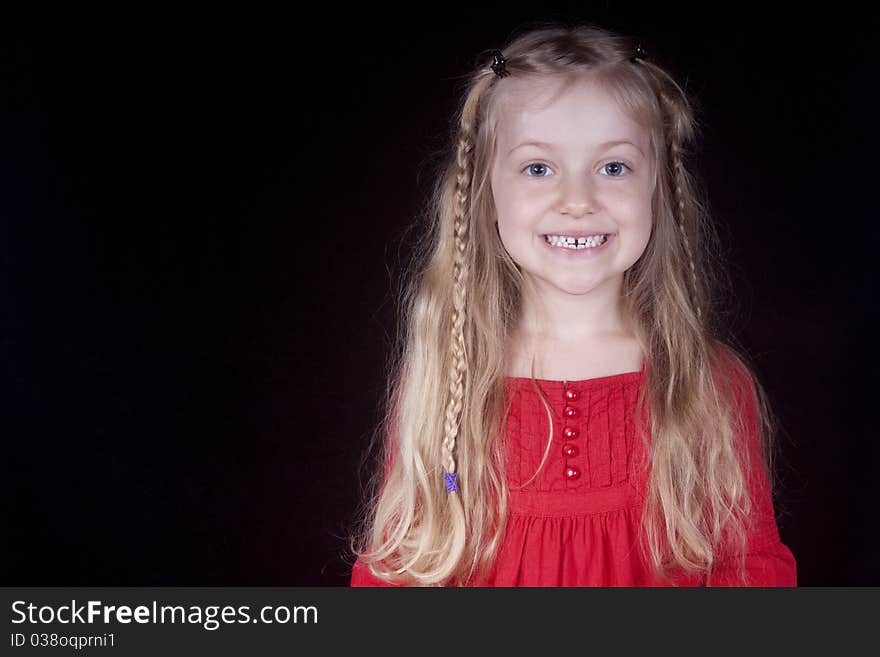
[(445, 404)]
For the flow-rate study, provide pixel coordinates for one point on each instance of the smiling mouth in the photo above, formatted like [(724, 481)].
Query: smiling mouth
[(577, 244)]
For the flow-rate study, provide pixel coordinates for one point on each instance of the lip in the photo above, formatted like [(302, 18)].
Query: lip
[(578, 233), (579, 253)]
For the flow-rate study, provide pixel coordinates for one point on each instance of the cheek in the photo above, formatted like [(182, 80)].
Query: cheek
[(509, 234), (515, 238), (634, 211), (638, 225), (639, 232), (513, 206)]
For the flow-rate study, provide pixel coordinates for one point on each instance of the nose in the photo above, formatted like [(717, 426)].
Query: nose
[(578, 197)]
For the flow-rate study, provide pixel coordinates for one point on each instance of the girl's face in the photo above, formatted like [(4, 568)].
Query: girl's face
[(570, 165)]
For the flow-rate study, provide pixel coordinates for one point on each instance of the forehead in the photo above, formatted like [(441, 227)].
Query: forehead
[(579, 112)]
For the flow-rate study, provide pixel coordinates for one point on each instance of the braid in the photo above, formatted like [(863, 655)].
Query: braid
[(680, 182), (639, 55), (459, 360)]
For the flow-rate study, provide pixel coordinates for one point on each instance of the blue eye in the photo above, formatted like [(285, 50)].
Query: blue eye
[(537, 165), (616, 164), (540, 170)]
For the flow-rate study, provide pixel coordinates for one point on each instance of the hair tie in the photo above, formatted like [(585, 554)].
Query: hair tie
[(451, 482), (640, 53), (499, 64)]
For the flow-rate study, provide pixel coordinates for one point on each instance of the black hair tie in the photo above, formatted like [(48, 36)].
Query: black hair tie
[(499, 64), (640, 53)]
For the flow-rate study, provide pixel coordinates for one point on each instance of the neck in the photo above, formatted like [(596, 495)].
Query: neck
[(549, 313)]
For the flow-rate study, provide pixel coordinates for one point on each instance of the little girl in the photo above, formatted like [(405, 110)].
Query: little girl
[(566, 234)]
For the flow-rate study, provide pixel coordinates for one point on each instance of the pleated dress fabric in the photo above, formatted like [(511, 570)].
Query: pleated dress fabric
[(577, 522)]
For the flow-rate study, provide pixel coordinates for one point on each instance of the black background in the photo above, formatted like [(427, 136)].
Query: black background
[(202, 217)]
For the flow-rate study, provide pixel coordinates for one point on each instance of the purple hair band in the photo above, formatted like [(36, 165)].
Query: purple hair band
[(451, 482)]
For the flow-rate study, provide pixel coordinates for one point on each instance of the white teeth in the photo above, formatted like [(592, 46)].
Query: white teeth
[(576, 243)]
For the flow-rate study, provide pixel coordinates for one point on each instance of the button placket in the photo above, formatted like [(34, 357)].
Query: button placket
[(569, 449)]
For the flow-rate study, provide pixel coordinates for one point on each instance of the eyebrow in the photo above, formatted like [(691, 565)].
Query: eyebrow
[(604, 145)]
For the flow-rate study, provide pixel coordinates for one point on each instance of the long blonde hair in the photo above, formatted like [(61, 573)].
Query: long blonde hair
[(445, 404)]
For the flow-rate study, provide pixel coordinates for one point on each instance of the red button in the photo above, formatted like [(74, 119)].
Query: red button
[(569, 411), (572, 473), (570, 433), (571, 395), (569, 450)]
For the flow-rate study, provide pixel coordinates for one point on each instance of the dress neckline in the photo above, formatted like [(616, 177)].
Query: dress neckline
[(575, 383)]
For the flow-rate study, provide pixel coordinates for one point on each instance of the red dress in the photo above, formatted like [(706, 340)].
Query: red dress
[(576, 523)]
